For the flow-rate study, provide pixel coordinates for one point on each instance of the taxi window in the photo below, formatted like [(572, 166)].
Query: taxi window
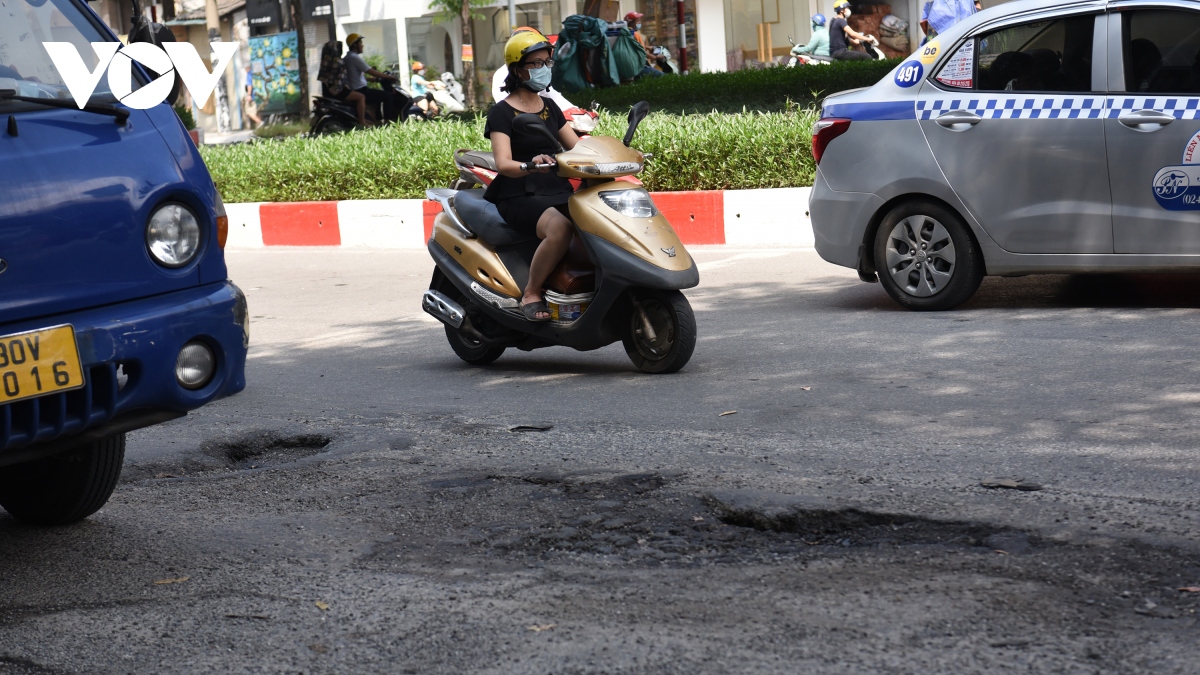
[(1046, 56), (1161, 49), (25, 66)]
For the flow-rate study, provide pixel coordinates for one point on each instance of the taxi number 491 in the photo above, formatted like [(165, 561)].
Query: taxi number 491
[(38, 362)]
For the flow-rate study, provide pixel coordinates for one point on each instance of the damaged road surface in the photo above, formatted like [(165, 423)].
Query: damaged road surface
[(370, 504)]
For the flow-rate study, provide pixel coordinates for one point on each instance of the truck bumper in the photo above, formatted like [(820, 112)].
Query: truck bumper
[(128, 352)]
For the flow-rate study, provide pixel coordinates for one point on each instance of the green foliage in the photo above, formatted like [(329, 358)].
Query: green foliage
[(691, 152), (770, 89), (185, 116)]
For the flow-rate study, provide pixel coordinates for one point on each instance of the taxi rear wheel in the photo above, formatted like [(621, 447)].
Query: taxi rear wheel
[(926, 258), (64, 488)]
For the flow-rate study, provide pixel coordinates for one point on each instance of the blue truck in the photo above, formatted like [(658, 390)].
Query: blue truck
[(115, 308)]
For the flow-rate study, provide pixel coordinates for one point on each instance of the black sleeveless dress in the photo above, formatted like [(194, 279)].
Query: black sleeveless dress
[(522, 201)]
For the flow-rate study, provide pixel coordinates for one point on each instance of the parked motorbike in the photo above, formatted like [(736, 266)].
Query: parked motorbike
[(478, 168), (801, 59), (620, 280), (663, 60), (333, 116)]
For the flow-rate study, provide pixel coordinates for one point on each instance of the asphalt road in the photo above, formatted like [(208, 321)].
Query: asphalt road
[(365, 507)]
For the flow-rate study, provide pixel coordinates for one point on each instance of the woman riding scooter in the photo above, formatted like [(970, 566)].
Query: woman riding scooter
[(526, 193)]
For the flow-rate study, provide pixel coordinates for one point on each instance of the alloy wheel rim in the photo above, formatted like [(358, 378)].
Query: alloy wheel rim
[(920, 256)]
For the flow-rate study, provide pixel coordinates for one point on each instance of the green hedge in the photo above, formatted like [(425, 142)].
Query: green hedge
[(771, 89), (691, 152)]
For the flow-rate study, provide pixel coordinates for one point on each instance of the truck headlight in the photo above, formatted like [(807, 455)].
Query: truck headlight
[(631, 203), (173, 235)]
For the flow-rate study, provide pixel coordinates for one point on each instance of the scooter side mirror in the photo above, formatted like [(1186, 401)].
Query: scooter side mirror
[(636, 114), (528, 123)]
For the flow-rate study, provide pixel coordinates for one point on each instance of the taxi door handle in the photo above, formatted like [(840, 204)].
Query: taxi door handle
[(1146, 120), (958, 120)]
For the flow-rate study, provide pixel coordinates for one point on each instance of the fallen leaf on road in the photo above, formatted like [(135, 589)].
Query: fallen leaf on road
[(805, 388), (1010, 484), (321, 605), (698, 519), (532, 427), (165, 475), (727, 412), (538, 629), (1190, 589), (161, 582), (1001, 552)]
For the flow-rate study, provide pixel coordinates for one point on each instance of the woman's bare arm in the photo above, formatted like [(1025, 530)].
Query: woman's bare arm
[(505, 164)]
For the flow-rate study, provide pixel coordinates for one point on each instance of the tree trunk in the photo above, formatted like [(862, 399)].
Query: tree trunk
[(301, 53), (468, 38)]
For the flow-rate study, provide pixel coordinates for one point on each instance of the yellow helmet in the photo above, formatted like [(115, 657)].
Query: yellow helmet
[(352, 38), (522, 43)]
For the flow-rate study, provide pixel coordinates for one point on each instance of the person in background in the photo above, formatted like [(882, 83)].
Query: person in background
[(818, 44), (421, 87), (634, 21), (841, 36), (249, 108), (334, 83), (357, 70), (939, 15)]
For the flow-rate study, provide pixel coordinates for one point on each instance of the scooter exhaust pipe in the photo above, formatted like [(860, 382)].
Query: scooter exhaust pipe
[(443, 309)]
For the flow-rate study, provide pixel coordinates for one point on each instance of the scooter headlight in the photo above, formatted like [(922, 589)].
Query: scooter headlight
[(173, 235), (631, 203)]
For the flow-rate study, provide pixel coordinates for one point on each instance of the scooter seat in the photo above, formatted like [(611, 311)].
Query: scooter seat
[(483, 160), (481, 217)]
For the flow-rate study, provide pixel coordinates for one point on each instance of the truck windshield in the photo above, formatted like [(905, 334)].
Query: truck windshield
[(25, 66)]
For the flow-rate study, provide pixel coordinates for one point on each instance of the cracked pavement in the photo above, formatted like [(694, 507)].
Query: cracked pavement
[(365, 507)]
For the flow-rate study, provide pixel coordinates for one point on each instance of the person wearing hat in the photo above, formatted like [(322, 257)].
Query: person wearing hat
[(357, 71), (634, 22), (531, 199), (501, 75), (841, 36), (420, 89)]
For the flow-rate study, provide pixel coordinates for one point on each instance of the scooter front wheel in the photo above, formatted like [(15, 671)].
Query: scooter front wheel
[(661, 332), (474, 353)]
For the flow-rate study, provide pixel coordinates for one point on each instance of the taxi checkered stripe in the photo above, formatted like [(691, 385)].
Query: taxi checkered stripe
[(1058, 107)]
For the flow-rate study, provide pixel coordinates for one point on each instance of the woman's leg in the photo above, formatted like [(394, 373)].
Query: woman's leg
[(555, 231)]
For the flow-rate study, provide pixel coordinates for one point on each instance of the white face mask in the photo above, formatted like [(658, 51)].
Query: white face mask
[(637, 26)]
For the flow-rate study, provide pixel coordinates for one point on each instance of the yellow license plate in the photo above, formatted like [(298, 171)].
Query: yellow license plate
[(38, 362)]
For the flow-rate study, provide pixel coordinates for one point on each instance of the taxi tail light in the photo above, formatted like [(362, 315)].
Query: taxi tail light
[(825, 131)]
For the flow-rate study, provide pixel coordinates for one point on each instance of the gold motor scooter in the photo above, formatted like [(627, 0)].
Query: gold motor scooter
[(620, 280)]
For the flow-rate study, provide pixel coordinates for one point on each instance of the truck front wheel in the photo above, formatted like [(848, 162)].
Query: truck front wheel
[(63, 488)]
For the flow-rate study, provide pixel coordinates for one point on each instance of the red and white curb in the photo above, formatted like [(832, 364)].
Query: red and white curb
[(777, 217)]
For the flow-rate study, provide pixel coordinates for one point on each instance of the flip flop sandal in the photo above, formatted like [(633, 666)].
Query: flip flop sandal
[(532, 309)]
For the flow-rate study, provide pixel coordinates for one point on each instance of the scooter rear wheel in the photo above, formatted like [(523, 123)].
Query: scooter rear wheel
[(474, 353), (668, 344)]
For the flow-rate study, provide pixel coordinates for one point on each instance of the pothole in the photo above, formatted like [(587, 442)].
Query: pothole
[(265, 448), (816, 523)]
